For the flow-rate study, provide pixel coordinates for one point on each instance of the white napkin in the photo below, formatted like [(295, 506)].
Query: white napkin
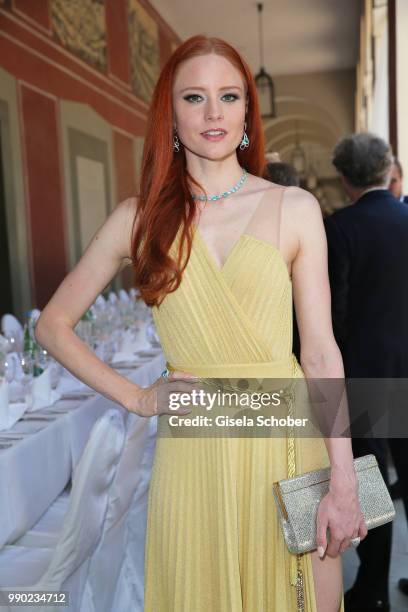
[(128, 342), (9, 413), (140, 341), (127, 348), (100, 301), (68, 383), (41, 394), (124, 296), (19, 374)]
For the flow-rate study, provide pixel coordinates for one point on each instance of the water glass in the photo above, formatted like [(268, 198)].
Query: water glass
[(7, 368), (151, 335), (27, 365)]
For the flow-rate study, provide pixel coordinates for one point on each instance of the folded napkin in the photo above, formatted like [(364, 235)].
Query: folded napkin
[(124, 296), (18, 370), (126, 350), (141, 340), (100, 301), (130, 340), (69, 383), (17, 391), (41, 394), (9, 413)]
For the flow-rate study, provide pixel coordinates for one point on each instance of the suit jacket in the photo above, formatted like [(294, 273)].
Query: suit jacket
[(368, 257), (405, 199)]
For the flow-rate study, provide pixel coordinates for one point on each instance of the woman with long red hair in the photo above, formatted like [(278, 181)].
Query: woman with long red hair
[(216, 251)]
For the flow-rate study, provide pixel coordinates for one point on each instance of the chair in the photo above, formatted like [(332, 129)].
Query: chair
[(107, 559), (12, 326), (64, 567), (129, 593), (106, 563)]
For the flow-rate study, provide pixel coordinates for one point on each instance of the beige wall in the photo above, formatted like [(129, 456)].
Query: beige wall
[(331, 91), (320, 107), (317, 109), (402, 84), (378, 121)]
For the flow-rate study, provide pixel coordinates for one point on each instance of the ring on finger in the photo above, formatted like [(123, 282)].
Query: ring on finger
[(355, 542)]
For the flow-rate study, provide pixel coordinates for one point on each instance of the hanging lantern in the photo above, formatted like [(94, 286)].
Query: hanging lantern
[(263, 81), (266, 94)]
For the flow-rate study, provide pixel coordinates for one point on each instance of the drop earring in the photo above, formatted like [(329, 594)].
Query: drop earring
[(245, 140), (176, 142)]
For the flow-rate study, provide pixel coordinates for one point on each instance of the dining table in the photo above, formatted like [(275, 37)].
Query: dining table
[(39, 454)]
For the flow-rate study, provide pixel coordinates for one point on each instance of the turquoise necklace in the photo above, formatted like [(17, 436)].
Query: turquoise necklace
[(224, 194)]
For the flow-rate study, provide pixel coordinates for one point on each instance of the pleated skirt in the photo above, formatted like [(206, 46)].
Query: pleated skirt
[(213, 541)]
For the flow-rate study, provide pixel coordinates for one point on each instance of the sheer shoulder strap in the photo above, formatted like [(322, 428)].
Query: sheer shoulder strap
[(266, 222)]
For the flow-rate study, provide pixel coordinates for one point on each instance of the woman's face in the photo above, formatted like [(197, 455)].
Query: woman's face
[(209, 101)]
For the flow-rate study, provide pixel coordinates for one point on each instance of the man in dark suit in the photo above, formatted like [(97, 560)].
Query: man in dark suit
[(367, 241), (396, 181)]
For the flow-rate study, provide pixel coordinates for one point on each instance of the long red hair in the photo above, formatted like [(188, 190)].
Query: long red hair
[(165, 204)]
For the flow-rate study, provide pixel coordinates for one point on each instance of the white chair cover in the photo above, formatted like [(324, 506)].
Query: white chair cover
[(66, 566), (46, 531), (129, 593), (107, 560), (132, 475), (11, 325)]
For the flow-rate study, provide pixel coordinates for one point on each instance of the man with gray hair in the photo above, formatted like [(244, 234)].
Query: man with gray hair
[(367, 241)]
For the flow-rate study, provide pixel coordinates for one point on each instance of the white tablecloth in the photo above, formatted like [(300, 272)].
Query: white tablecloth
[(36, 468)]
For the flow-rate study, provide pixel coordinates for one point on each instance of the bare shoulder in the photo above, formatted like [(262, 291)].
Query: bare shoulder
[(116, 232), (301, 209), (301, 221), (127, 209), (300, 201)]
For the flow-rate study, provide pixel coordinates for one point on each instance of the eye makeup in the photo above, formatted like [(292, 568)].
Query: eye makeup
[(193, 97)]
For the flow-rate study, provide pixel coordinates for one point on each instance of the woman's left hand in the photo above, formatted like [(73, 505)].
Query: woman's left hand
[(339, 511)]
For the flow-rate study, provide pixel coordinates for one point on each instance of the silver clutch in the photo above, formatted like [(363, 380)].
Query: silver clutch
[(298, 499)]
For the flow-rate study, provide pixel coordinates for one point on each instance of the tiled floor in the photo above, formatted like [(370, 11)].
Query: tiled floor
[(399, 562)]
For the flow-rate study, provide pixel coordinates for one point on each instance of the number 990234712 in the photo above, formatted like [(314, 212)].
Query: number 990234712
[(40, 598)]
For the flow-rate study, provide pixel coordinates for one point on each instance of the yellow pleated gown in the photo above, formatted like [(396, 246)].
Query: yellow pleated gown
[(213, 541)]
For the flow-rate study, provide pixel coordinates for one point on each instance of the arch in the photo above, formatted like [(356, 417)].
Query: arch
[(293, 105)]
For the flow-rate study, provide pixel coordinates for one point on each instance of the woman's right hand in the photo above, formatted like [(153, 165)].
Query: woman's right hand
[(154, 400)]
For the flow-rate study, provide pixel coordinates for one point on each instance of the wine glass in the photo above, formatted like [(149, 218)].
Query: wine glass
[(7, 368), (27, 364)]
